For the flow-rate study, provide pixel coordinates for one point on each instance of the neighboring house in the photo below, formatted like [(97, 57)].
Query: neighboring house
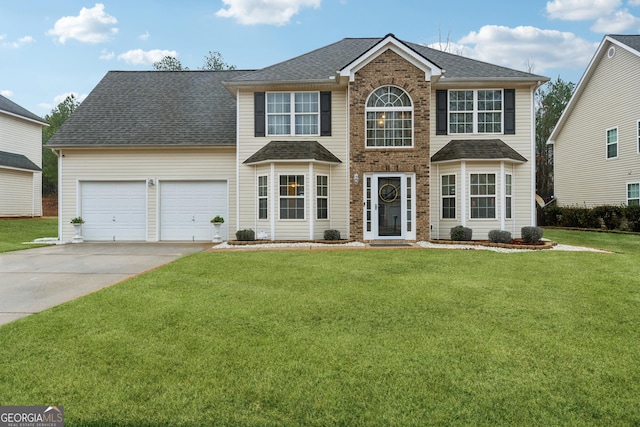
[(597, 139), (20, 161), (375, 137)]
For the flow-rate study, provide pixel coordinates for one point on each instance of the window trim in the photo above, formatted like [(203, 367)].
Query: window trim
[(318, 196), (638, 136), (629, 184), (368, 109), (303, 197), (607, 143), (264, 197), (292, 114), (453, 196), (475, 112), (494, 196)]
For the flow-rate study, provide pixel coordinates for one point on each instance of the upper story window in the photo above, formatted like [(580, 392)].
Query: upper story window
[(296, 113), (612, 143), (389, 113), (475, 111)]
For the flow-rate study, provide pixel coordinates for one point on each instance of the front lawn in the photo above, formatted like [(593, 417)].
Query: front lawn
[(13, 232), (354, 337)]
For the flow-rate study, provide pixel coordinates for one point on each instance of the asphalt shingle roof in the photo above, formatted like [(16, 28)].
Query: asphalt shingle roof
[(293, 150), (13, 108), (476, 149), (633, 41), (323, 63), (17, 161), (154, 108)]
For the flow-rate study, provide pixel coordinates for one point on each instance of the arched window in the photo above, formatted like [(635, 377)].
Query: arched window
[(389, 118)]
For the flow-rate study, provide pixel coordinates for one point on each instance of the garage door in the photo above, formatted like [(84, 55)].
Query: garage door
[(114, 211), (186, 209)]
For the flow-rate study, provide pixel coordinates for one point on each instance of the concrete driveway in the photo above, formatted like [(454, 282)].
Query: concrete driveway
[(33, 280)]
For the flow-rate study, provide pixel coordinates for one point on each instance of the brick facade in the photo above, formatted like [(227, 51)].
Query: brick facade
[(390, 69)]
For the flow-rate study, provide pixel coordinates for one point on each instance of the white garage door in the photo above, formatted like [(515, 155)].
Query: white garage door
[(114, 211), (186, 209)]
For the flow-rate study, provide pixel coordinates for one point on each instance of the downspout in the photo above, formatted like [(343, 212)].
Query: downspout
[(237, 163)]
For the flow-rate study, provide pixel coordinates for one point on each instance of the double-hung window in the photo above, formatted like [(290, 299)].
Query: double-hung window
[(508, 196), (483, 195), (291, 196), (633, 194), (638, 136), (389, 112), (476, 111), (296, 113), (612, 143), (322, 197), (448, 196), (262, 197)]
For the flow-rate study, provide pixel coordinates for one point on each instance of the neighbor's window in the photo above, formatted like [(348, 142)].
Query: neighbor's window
[(389, 114), (612, 143), (475, 111), (507, 196), (295, 113), (483, 195), (322, 196), (633, 194), (448, 196), (292, 197), (262, 197)]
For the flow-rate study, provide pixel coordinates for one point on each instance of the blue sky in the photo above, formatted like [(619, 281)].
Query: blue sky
[(50, 48)]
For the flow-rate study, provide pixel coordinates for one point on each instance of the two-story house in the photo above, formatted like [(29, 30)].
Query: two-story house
[(375, 137), (20, 160), (597, 139)]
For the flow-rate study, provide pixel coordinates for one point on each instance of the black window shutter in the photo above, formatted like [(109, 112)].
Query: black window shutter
[(441, 112), (509, 111), (259, 113), (325, 113)]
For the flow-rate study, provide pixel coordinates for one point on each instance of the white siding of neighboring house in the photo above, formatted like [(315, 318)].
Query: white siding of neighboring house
[(181, 163), (24, 137), (248, 145), (583, 174), (523, 177)]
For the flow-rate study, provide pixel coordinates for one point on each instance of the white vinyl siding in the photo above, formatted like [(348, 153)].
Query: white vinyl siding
[(21, 191), (609, 99)]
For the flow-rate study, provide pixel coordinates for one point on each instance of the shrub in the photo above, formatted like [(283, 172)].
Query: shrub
[(609, 216), (578, 217), (553, 216), (331, 234), (531, 234), (461, 233), (499, 236), (247, 234), (632, 214)]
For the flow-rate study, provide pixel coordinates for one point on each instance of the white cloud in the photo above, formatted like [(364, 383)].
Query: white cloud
[(59, 98), (144, 36), (6, 93), (522, 46), (274, 12), (617, 22), (18, 43), (106, 55), (581, 10), (139, 56), (634, 2), (90, 26)]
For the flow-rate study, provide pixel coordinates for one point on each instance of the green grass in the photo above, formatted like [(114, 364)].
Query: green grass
[(13, 232), (354, 337)]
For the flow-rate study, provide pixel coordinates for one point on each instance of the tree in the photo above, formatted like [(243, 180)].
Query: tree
[(551, 100), (214, 61), (168, 63), (56, 119)]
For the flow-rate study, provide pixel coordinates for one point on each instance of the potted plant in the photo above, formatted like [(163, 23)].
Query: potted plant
[(217, 222), (77, 228)]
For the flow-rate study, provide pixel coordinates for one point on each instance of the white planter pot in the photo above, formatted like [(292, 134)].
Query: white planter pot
[(217, 238), (77, 238)]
